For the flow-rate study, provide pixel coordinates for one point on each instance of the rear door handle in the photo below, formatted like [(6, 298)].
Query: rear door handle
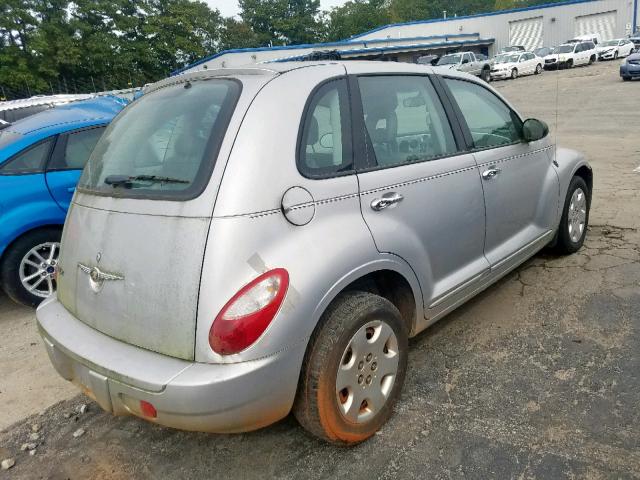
[(491, 172), (385, 201)]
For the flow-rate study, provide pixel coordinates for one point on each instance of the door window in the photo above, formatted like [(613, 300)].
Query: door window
[(73, 150), (29, 161), (325, 146), (404, 121), (491, 122)]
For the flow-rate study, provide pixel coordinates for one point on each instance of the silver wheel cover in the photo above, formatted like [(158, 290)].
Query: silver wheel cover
[(577, 215), (367, 372)]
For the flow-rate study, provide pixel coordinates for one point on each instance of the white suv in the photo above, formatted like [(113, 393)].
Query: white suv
[(574, 54)]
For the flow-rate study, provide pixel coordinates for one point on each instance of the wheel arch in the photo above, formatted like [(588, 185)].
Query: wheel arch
[(25, 232), (391, 278)]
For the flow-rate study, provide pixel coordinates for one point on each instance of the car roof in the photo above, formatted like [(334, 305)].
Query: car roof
[(60, 119)]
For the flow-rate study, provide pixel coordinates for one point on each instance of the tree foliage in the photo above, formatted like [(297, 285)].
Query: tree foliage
[(88, 45)]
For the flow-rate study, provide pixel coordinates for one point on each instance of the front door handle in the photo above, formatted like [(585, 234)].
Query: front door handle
[(385, 201), (491, 172)]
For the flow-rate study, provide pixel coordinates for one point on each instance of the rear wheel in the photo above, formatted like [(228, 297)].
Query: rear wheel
[(354, 369), (514, 73), (28, 269), (575, 217)]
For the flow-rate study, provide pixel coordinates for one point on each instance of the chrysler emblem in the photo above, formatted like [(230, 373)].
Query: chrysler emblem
[(97, 277)]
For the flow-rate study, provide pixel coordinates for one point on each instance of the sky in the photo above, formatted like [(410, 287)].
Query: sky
[(230, 7)]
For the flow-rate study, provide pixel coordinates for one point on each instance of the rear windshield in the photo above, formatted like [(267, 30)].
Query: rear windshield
[(164, 145)]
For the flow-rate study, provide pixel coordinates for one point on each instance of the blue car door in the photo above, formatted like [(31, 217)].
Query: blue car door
[(69, 157)]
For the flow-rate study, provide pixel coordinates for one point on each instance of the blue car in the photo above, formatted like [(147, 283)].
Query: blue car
[(41, 159), (631, 67)]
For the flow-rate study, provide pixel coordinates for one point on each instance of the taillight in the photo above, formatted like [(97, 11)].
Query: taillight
[(147, 409), (248, 314)]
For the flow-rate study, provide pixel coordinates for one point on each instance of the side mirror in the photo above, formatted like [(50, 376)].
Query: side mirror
[(533, 129)]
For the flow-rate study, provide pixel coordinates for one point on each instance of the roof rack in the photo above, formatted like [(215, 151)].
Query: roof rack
[(320, 55)]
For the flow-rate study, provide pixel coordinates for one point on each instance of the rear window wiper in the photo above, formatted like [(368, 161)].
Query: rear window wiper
[(127, 181)]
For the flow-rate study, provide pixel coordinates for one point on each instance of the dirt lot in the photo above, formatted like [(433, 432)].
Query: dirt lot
[(538, 377)]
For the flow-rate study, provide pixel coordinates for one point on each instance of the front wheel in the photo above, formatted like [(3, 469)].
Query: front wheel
[(514, 74), (29, 266), (592, 59), (354, 369), (485, 75), (570, 64), (538, 69), (626, 79), (575, 217), (615, 55)]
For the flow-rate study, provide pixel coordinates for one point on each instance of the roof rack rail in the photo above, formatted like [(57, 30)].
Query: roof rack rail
[(320, 55)]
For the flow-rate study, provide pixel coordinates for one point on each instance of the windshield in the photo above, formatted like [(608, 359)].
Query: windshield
[(512, 59), (565, 48), (449, 60), (610, 43), (165, 143)]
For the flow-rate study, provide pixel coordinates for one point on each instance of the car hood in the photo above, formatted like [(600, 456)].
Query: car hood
[(504, 65), (634, 56), (553, 56), (604, 49)]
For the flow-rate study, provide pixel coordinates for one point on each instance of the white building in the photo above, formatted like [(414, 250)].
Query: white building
[(532, 27)]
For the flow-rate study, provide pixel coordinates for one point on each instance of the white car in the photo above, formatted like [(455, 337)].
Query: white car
[(511, 66), (611, 50), (573, 54)]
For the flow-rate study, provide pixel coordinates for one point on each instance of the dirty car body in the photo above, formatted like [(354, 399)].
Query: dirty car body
[(292, 184)]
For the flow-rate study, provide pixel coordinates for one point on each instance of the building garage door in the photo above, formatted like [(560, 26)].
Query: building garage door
[(527, 32), (603, 23)]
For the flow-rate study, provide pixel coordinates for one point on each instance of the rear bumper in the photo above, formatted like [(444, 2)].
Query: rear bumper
[(186, 395)]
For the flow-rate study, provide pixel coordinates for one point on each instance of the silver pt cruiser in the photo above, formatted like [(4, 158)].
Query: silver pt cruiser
[(248, 242)]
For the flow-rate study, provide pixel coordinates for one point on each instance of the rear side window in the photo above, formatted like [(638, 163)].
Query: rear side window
[(29, 161), (491, 122), (164, 145), (73, 150), (404, 120), (325, 142)]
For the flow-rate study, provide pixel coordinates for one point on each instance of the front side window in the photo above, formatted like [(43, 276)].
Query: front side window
[(73, 150), (404, 121), (164, 145), (491, 122), (29, 161), (325, 146)]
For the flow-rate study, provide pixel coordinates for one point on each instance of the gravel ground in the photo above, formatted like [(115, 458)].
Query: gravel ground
[(537, 377)]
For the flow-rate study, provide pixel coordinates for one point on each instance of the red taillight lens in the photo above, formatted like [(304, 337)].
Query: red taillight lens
[(248, 314), (147, 409)]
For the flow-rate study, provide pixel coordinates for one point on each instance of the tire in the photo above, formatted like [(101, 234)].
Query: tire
[(319, 404), (626, 79), (615, 55), (538, 69), (13, 263), (592, 59), (570, 234), (486, 75), (514, 74), (570, 63)]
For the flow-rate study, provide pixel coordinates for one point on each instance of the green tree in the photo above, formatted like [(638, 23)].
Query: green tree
[(283, 21), (356, 16)]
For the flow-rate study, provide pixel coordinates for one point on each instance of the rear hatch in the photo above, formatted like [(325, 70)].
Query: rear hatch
[(135, 235)]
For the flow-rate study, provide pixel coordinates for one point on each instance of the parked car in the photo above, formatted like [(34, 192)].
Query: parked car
[(571, 55), (41, 158), (468, 63), (428, 59), (630, 68), (516, 64), (587, 37), (544, 51), (613, 49), (513, 48), (229, 256), (14, 110), (635, 39)]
